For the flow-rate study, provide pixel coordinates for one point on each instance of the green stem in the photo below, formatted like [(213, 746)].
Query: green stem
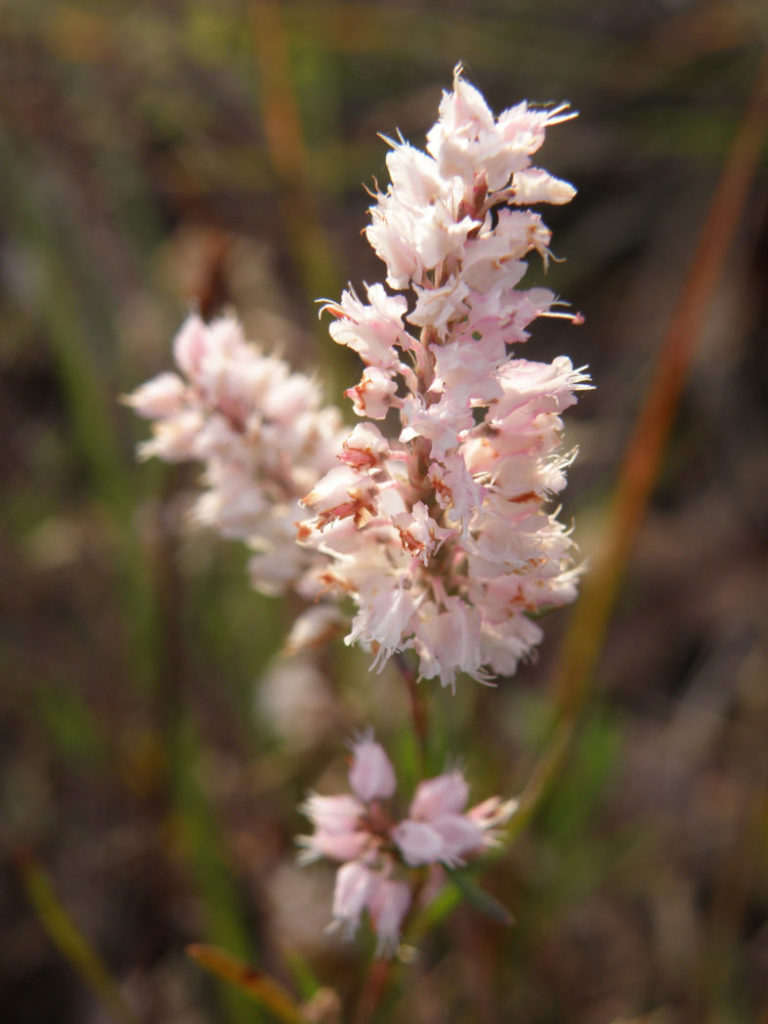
[(71, 942)]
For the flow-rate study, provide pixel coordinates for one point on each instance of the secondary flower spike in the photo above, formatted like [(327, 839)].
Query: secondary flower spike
[(444, 537), (260, 432), (374, 846)]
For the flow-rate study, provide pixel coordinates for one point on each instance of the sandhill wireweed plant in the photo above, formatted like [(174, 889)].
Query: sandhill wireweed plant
[(434, 518)]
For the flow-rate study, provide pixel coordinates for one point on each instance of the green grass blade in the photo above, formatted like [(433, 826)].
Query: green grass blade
[(71, 942)]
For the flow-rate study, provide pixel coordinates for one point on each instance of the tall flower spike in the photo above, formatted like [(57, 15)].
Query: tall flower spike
[(444, 537)]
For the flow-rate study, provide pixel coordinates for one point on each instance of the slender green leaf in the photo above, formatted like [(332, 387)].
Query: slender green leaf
[(70, 940)]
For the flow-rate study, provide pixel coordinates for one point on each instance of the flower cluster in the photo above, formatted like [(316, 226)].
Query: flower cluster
[(442, 536), (359, 831), (258, 429)]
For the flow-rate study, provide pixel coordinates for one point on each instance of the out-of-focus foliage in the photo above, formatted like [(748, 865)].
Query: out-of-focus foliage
[(157, 156)]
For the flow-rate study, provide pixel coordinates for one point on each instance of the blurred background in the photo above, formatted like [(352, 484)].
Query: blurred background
[(153, 748)]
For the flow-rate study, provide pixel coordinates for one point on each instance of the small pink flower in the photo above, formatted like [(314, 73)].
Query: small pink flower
[(446, 794), (371, 331), (365, 447), (418, 842), (537, 186), (363, 832), (371, 774), (374, 395), (437, 830), (460, 836), (388, 904), (338, 494), (334, 814), (342, 846), (339, 834), (160, 397), (354, 885), (191, 345)]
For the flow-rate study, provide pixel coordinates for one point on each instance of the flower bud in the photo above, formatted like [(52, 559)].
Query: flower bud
[(371, 774)]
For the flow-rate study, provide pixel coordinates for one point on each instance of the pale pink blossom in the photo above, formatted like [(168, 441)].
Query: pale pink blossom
[(388, 903), (375, 395), (379, 850), (365, 448), (372, 331), (446, 794), (439, 829), (442, 525), (334, 814), (355, 884), (371, 773), (342, 846), (160, 397), (536, 186), (418, 842), (460, 836)]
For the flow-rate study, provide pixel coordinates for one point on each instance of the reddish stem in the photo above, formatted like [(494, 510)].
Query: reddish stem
[(417, 702)]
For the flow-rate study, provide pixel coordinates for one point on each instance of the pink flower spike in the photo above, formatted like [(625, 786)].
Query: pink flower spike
[(261, 434), (449, 500), (388, 904), (371, 774)]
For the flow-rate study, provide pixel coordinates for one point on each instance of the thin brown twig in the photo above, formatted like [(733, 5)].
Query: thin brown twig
[(375, 985), (644, 451), (291, 161), (574, 672)]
